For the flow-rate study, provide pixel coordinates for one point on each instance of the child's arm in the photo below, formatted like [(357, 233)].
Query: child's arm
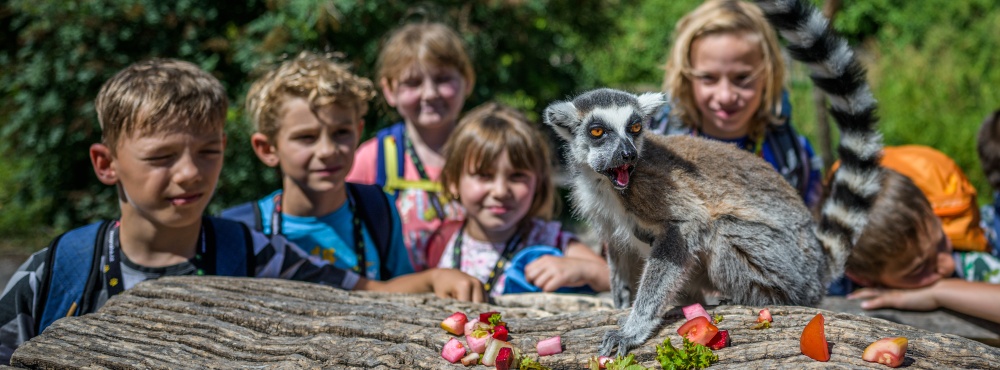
[(445, 283), (977, 299), (579, 266), (278, 258)]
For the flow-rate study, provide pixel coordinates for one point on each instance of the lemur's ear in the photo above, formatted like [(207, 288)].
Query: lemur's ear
[(650, 102), (563, 117)]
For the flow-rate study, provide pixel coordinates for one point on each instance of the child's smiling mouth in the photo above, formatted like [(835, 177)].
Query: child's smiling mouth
[(185, 199)]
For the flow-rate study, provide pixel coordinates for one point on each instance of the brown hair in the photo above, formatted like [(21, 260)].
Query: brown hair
[(988, 145), (483, 134), (156, 95), (716, 17), (432, 43), (898, 220), (314, 78)]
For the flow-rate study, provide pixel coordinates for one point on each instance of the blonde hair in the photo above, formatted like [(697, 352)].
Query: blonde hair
[(314, 78), (158, 95), (897, 223), (432, 43), (716, 17), (483, 134)]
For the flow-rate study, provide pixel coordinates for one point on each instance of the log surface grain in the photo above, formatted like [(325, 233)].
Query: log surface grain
[(225, 323)]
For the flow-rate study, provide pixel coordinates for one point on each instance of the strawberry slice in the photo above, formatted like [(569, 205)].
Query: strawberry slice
[(485, 316), (695, 310), (504, 359), (453, 351), (500, 332), (886, 351), (720, 340), (698, 330), (455, 323), (549, 346), (813, 341)]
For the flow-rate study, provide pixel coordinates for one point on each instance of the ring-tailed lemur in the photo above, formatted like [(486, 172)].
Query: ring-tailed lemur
[(707, 216)]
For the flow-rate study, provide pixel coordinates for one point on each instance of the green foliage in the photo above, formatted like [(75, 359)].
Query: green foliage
[(689, 356), (528, 363), (625, 363), (933, 67), (56, 55)]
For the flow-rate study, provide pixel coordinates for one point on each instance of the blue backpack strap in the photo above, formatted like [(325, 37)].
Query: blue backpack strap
[(233, 247), (397, 131), (246, 213), (70, 266), (373, 206)]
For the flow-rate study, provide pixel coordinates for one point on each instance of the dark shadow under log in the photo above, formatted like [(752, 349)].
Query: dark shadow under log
[(225, 323)]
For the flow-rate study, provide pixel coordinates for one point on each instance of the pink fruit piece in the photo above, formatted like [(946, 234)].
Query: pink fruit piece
[(720, 341), (695, 310), (549, 346), (453, 351), (455, 323), (886, 351), (470, 326), (477, 344), (470, 359), (764, 315), (504, 358)]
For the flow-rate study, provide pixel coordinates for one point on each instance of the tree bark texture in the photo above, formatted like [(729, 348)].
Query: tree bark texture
[(226, 323)]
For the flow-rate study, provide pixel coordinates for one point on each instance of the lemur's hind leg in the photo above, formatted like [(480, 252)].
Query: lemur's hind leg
[(750, 267), (624, 264), (661, 280)]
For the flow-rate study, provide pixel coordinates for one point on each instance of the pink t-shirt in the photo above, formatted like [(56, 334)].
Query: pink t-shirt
[(415, 208)]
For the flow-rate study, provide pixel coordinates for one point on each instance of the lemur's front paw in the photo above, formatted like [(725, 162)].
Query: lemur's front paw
[(614, 338)]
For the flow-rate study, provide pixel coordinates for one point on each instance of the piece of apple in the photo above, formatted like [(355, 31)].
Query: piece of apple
[(886, 351)]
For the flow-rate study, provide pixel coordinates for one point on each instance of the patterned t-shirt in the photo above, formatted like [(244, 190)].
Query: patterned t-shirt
[(274, 257), (480, 257), (415, 207)]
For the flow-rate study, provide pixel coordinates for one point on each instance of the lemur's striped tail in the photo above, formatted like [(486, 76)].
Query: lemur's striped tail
[(837, 72)]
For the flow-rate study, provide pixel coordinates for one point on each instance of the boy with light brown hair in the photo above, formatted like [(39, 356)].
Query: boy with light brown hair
[(308, 117), (907, 260), (162, 148)]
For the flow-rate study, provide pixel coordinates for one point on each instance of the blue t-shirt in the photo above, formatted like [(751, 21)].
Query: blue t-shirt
[(331, 238)]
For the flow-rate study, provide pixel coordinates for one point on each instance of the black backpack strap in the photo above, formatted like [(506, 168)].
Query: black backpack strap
[(246, 213), (785, 140), (373, 207), (70, 273), (233, 247)]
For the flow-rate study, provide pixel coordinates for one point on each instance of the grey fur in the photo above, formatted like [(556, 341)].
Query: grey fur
[(704, 215)]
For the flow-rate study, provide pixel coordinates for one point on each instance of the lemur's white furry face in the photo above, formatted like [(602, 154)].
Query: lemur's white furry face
[(603, 129)]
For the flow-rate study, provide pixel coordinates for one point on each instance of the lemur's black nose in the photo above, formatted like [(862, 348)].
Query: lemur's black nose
[(628, 154)]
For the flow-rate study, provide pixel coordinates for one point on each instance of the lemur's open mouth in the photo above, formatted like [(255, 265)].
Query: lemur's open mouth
[(620, 176)]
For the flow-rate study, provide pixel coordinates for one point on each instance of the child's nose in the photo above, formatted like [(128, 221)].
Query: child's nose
[(501, 187), (727, 93), (429, 89), (186, 170), (325, 146)]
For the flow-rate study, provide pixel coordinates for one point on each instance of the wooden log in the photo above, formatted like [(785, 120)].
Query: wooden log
[(218, 322)]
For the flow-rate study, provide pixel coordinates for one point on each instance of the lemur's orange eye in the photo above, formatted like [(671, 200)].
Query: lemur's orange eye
[(596, 132), (635, 128)]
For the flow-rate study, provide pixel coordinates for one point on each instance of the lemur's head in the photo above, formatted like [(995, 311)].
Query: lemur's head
[(603, 130)]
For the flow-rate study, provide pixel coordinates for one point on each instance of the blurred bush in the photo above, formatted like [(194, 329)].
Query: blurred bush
[(54, 56)]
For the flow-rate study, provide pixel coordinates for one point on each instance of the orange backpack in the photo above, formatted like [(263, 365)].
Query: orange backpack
[(950, 193), (946, 187)]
